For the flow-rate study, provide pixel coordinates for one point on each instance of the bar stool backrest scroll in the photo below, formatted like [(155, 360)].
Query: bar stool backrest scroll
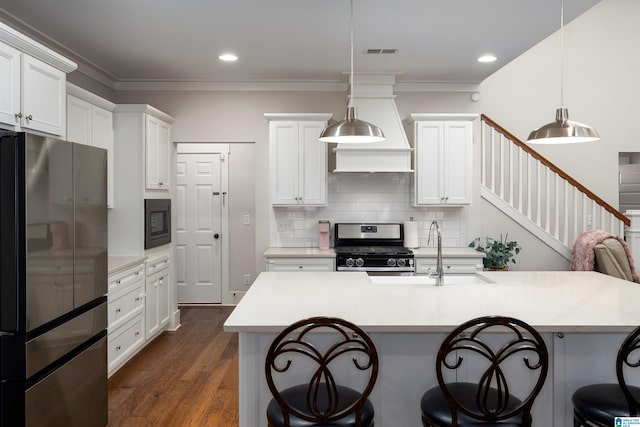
[(485, 353), (321, 344)]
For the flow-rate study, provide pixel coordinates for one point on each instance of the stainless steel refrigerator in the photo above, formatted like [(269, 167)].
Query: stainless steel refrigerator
[(53, 282)]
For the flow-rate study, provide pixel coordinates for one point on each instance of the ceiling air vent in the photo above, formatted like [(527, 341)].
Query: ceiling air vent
[(381, 51)]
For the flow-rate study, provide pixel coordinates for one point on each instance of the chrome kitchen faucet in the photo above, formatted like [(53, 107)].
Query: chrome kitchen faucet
[(439, 271)]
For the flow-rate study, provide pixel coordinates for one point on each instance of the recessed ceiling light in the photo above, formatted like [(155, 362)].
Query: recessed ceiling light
[(228, 57), (487, 58)]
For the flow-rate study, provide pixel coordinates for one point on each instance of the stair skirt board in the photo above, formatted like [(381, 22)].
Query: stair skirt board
[(525, 222)]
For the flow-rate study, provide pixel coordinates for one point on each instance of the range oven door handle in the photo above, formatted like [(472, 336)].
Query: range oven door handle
[(365, 269)]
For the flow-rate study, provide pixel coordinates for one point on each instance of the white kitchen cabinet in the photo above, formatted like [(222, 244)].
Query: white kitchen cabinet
[(78, 120), (90, 122), (157, 288), (9, 86), (157, 141), (126, 219), (126, 305), (43, 97), (298, 161), (126, 277), (124, 343), (301, 264), (32, 85), (443, 159)]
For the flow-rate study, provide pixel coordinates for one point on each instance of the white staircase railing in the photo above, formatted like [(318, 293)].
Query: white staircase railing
[(539, 195)]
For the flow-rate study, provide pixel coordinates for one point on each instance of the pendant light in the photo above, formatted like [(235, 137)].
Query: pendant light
[(351, 130), (563, 130)]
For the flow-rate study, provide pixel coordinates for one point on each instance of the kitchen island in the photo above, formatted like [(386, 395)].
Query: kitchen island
[(583, 316)]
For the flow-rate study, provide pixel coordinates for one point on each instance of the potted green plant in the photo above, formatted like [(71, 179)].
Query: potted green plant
[(498, 253)]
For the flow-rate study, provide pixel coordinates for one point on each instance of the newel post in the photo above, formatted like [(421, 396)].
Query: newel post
[(632, 235)]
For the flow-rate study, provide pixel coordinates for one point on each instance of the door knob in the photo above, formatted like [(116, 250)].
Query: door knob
[(216, 236)]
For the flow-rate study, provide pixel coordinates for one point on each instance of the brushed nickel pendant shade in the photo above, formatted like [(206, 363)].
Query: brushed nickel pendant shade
[(562, 130), (351, 130)]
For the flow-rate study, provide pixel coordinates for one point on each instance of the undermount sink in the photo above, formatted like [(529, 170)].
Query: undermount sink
[(449, 279)]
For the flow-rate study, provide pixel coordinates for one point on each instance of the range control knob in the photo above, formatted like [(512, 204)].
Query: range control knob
[(359, 262), (391, 262), (350, 262), (402, 262)]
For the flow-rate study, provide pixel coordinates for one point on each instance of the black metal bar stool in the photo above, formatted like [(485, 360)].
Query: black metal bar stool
[(598, 404), (321, 400), (487, 401)]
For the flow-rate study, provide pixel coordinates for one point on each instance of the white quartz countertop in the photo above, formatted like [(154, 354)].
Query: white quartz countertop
[(299, 253), (119, 263), (431, 252), (330, 253), (562, 301)]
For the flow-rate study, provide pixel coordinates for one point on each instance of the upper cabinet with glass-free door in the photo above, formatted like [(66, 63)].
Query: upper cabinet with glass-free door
[(157, 144), (297, 160), (443, 159), (32, 85), (90, 122)]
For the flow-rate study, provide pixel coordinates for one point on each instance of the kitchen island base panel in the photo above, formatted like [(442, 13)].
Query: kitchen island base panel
[(583, 317), (407, 370)]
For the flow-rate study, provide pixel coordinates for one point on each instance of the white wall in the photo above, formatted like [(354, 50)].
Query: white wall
[(600, 68)]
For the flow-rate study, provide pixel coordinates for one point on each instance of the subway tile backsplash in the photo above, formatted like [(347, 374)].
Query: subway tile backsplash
[(365, 197)]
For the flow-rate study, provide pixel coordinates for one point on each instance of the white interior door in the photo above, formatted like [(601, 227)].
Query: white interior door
[(199, 198)]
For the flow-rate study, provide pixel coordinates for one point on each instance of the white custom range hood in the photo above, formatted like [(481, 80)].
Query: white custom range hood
[(374, 101)]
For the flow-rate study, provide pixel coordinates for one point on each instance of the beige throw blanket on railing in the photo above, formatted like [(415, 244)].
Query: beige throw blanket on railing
[(583, 255)]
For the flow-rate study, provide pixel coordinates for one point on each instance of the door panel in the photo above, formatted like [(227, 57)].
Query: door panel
[(199, 202)]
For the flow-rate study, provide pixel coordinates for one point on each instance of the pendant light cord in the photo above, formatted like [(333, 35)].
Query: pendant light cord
[(562, 53), (351, 73)]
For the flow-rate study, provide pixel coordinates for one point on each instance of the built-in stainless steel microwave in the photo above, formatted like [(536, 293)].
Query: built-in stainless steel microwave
[(157, 222)]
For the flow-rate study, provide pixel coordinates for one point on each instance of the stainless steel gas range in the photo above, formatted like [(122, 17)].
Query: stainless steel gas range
[(372, 248)]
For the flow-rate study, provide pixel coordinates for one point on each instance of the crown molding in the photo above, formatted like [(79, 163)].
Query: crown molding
[(31, 47), (281, 86), (436, 87), (298, 116), (144, 109), (90, 97), (249, 85)]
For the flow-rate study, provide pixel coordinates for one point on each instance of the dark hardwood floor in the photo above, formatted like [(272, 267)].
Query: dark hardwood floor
[(184, 378)]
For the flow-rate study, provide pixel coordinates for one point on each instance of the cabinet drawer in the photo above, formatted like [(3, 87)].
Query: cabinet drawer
[(125, 303), (125, 341), (450, 265), (157, 264), (301, 264), (126, 277)]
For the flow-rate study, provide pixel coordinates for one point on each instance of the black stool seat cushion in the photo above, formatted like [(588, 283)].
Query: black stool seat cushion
[(602, 402), (296, 397), (435, 408)]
